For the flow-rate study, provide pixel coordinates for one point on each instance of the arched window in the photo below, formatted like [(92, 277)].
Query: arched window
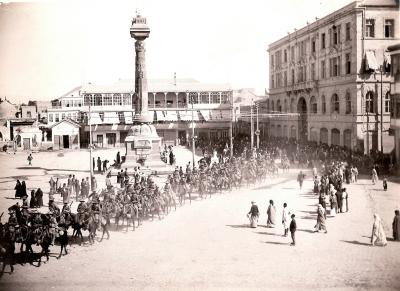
[(335, 105), (313, 105), (348, 103), (370, 102), (272, 106), (267, 105), (323, 104), (285, 108), (387, 102), (278, 106)]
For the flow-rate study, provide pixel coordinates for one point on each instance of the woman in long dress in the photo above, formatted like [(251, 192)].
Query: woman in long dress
[(334, 205), (320, 219), (374, 176), (271, 211), (345, 197), (378, 236)]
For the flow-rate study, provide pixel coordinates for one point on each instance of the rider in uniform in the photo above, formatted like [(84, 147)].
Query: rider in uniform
[(53, 207)]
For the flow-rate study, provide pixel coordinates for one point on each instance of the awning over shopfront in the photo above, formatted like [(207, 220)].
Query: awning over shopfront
[(95, 118), (185, 115), (205, 114), (215, 114), (128, 117), (370, 61), (111, 117), (171, 116), (226, 114), (160, 116)]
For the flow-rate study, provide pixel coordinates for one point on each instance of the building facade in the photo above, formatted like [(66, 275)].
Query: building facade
[(395, 97), (334, 74), (111, 112)]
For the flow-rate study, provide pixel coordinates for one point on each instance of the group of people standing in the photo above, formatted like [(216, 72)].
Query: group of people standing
[(36, 199), (288, 225), (72, 188)]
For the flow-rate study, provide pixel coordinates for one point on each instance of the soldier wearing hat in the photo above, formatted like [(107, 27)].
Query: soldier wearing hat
[(66, 208), (12, 220), (53, 207)]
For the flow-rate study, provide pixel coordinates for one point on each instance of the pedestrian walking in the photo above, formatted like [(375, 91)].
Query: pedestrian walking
[(118, 159), (285, 218), (65, 193), (98, 164), (52, 184), (39, 197), (374, 176), (77, 189), (32, 202), (253, 215), (18, 190), (396, 225), (30, 158), (385, 185), (334, 206), (345, 200), (378, 237), (293, 228), (320, 219), (300, 179), (23, 189), (271, 211)]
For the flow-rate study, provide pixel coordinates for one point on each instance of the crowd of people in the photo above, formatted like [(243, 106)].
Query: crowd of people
[(135, 196)]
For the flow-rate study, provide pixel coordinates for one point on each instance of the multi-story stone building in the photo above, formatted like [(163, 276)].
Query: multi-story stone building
[(394, 51), (112, 112), (334, 73)]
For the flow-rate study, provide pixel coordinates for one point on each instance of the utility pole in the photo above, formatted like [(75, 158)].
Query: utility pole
[(381, 109), (251, 126), (258, 130), (231, 128), (193, 138), (90, 143)]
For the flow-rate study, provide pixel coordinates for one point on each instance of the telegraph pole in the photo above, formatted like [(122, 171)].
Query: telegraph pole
[(90, 144), (193, 139), (381, 110), (258, 130), (231, 129), (251, 126)]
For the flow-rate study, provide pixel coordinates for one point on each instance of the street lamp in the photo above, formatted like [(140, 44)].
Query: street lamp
[(231, 127), (191, 100), (251, 126), (90, 143)]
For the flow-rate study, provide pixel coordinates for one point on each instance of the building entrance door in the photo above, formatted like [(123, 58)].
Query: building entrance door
[(27, 143), (99, 141), (66, 141), (182, 137)]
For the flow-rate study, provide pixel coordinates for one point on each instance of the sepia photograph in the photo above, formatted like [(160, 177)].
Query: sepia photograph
[(199, 145)]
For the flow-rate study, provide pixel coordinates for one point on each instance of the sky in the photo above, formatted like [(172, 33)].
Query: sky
[(49, 48)]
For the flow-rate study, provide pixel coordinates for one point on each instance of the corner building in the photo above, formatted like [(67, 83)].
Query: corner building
[(335, 74)]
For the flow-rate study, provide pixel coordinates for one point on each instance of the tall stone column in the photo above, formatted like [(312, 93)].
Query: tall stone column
[(141, 108)]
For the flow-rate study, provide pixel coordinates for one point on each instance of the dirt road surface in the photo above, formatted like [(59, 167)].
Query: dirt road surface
[(208, 245)]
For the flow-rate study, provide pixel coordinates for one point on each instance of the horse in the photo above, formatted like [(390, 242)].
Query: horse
[(93, 224)]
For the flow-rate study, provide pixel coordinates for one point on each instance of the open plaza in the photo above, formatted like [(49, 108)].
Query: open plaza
[(180, 184)]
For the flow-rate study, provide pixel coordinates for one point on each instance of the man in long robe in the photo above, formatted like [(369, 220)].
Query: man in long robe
[(253, 214), (271, 212), (396, 226)]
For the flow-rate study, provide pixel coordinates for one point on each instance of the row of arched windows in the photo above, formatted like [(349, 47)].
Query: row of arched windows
[(313, 108), (370, 105)]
